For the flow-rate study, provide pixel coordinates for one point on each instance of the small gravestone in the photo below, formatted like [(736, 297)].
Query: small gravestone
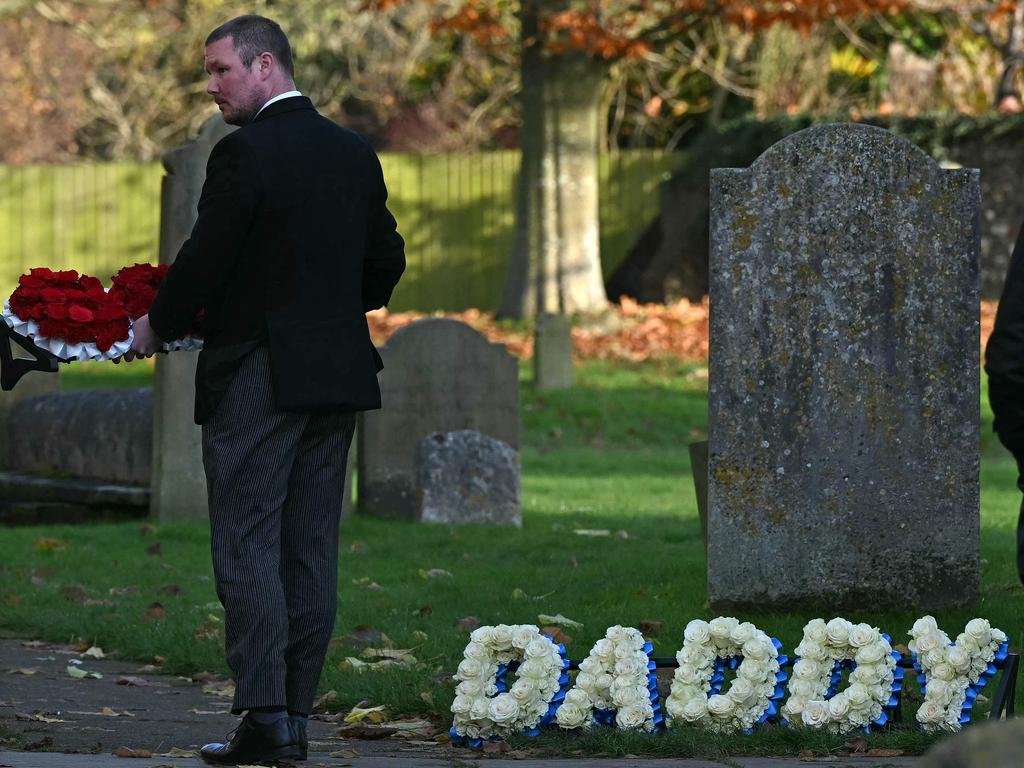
[(178, 486), (467, 477), (32, 384), (992, 744), (844, 382), (439, 376), (552, 353), (95, 434)]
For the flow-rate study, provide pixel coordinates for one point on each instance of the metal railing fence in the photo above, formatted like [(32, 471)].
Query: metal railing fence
[(456, 211)]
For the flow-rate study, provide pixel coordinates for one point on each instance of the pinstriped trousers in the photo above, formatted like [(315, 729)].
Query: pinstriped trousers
[(275, 481)]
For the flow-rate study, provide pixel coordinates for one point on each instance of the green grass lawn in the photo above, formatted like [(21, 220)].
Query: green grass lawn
[(610, 454)]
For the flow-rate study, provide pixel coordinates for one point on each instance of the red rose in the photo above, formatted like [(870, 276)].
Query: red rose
[(80, 314), (57, 312), (54, 295)]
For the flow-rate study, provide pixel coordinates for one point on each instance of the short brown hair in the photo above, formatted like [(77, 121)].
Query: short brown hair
[(251, 35)]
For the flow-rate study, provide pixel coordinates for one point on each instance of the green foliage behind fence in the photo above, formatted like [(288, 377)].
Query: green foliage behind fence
[(456, 211)]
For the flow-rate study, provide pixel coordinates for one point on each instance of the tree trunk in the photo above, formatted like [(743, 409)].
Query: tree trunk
[(1013, 59), (555, 265)]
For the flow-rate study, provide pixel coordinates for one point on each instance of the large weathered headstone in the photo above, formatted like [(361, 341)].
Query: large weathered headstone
[(439, 376), (178, 487), (467, 477), (844, 381), (552, 353), (32, 384)]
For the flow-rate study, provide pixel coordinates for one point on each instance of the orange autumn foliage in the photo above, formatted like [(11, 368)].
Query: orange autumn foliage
[(612, 29), (634, 332)]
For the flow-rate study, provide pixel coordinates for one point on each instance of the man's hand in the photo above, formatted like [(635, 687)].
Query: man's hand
[(145, 342)]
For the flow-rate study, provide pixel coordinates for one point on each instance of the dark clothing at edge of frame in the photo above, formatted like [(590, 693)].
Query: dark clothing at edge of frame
[(293, 244), (1004, 360)]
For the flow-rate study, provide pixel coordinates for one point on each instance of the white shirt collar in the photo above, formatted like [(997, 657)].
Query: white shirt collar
[(285, 95)]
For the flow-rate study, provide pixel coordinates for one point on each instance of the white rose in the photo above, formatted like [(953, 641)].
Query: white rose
[(578, 698), (998, 636), (538, 648), (803, 688), (838, 706), (721, 706), (631, 717), (753, 670), (958, 658), (523, 635), (970, 644), (931, 711), (815, 714), (482, 635), (603, 681), (623, 652), (570, 716), (627, 697), (694, 710), (858, 696), (591, 664), (794, 706), (687, 675), (524, 689), (479, 709), (932, 659), (604, 648), (924, 626), (816, 631), (741, 691), (941, 671), (809, 650), (471, 688), (462, 704), (756, 649), (503, 709), (502, 637), (698, 632), (806, 668), (586, 681), (722, 627), (838, 631), (930, 642), (686, 692), (872, 654), (535, 669), (631, 667), (868, 674), (742, 632), (689, 654), (862, 635), (477, 651), (469, 669)]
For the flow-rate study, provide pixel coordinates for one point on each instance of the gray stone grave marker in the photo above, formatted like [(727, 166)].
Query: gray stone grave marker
[(844, 382), (178, 484), (552, 353), (439, 376), (468, 477)]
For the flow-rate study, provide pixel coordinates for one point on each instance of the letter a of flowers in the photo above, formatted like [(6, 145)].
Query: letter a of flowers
[(617, 680), (708, 647), (822, 654), (484, 706), (952, 674)]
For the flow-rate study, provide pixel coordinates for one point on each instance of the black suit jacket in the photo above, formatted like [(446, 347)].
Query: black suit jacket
[(293, 244), (1004, 360)]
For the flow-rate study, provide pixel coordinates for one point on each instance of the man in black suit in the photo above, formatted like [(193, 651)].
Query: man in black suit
[(292, 245), (1004, 363)]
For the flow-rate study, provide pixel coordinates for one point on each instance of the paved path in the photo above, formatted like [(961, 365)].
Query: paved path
[(49, 719)]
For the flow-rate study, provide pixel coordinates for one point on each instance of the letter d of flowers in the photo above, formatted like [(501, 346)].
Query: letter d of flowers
[(616, 684), (826, 649), (708, 647), (952, 674), (484, 705)]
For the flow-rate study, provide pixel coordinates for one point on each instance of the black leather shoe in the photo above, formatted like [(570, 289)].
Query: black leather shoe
[(254, 743), (299, 726)]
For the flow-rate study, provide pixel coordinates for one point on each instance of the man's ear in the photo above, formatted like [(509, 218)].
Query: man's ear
[(266, 64)]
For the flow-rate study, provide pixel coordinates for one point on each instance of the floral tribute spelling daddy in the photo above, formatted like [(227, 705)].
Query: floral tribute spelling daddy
[(74, 318), (615, 685)]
